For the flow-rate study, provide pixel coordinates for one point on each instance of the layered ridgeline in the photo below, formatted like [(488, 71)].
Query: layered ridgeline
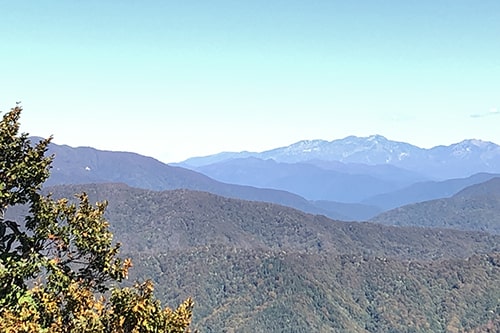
[(83, 165), (378, 186), (347, 191), (476, 207), (425, 191), (259, 267), (371, 172), (441, 162)]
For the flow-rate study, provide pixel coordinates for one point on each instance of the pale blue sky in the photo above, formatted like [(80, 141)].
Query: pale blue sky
[(175, 79)]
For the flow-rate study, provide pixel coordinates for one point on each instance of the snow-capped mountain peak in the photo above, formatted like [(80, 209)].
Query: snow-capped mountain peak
[(456, 160)]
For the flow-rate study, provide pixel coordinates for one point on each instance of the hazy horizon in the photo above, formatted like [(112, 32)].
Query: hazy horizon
[(177, 80), (259, 151)]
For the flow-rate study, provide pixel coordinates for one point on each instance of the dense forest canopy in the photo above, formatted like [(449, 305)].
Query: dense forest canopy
[(251, 266)]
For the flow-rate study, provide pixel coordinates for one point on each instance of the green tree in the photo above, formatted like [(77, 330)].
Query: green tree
[(59, 270)]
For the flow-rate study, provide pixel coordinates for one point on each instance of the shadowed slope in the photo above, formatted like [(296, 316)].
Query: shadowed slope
[(258, 267), (475, 208)]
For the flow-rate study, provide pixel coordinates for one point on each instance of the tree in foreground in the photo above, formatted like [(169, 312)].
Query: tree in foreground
[(59, 270)]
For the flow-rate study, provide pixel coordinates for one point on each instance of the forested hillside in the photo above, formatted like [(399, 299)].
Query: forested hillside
[(153, 221), (258, 267), (476, 207), (255, 290)]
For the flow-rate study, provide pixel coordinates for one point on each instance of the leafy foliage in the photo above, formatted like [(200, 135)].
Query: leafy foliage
[(253, 267), (258, 267), (59, 270), (261, 290)]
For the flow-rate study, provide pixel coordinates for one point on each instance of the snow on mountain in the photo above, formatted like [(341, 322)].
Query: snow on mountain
[(374, 149), (472, 147), (441, 162)]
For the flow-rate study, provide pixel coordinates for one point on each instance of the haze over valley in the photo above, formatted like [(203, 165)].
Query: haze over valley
[(293, 166), (275, 251)]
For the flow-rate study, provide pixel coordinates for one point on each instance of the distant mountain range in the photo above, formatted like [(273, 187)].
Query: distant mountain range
[(344, 191), (431, 266), (84, 165), (314, 180), (476, 207), (424, 191), (441, 162)]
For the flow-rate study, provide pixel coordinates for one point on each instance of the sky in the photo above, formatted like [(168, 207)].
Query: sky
[(177, 79)]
